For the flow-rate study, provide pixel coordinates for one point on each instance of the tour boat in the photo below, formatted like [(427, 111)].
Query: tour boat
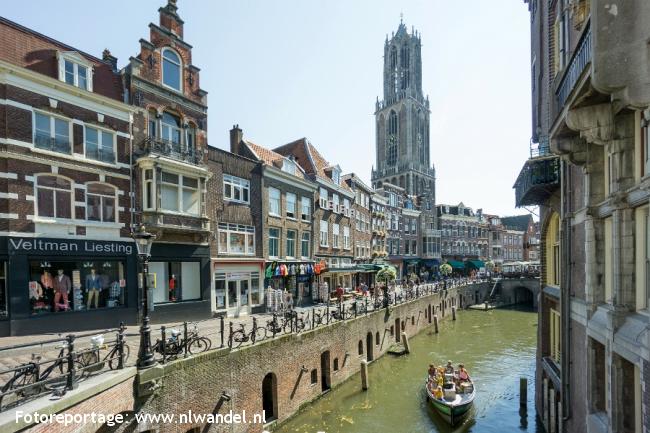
[(455, 404)]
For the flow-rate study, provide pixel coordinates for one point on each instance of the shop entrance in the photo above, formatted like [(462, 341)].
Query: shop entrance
[(236, 292), (237, 297)]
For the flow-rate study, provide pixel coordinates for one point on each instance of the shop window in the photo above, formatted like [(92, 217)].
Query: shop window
[(305, 211), (304, 245), (236, 239), (180, 193), (3, 290), (51, 133), (274, 201), (291, 243), (171, 70), (274, 242), (100, 202), (176, 281), (291, 205), (236, 189), (53, 197), (76, 285), (99, 145)]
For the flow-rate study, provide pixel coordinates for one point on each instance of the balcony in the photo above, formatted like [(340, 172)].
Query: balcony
[(172, 223), (539, 177), (171, 150), (580, 59)]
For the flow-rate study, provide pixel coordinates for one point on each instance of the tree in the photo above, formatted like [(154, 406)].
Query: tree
[(489, 265), (387, 274), (445, 269)]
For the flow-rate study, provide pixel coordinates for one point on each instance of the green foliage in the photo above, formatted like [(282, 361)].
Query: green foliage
[(387, 274), (445, 269)]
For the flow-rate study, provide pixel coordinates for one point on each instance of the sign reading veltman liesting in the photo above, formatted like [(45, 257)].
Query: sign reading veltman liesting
[(68, 246)]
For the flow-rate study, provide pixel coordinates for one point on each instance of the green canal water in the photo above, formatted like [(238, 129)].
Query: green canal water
[(497, 347)]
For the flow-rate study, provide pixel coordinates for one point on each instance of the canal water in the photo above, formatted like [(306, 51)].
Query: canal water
[(497, 347)]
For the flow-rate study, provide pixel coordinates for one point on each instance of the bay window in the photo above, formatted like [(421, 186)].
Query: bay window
[(51, 133), (236, 189), (99, 145), (100, 202), (179, 193), (53, 197), (274, 201), (291, 205), (236, 239), (291, 243)]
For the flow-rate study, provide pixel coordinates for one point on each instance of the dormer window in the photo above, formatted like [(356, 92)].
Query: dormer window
[(336, 176), (75, 70), (171, 70), (289, 166)]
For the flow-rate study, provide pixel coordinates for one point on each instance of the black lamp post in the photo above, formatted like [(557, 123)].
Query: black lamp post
[(143, 242)]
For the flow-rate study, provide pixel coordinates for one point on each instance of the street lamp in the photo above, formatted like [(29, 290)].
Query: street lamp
[(143, 242)]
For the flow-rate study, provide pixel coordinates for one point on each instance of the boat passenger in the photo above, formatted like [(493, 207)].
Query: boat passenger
[(449, 368), (432, 371), (438, 393), (463, 374)]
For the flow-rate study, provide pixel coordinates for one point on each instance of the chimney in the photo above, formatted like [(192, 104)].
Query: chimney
[(109, 59), (236, 137)]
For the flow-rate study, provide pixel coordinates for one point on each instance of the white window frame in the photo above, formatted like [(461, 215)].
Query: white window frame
[(289, 166), (336, 202), (277, 243), (100, 143), (72, 197), (293, 241), (305, 209), (346, 237), (180, 69), (324, 233), (181, 187), (52, 131), (228, 228), (305, 238), (336, 234), (275, 191), (323, 197), (290, 205), (77, 60), (101, 208), (145, 184), (236, 183)]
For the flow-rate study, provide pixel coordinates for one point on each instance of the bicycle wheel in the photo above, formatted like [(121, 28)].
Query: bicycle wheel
[(260, 334), (114, 360), (237, 339), (87, 362), (198, 345)]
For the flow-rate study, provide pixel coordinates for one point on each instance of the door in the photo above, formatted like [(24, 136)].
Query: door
[(325, 378), (237, 297)]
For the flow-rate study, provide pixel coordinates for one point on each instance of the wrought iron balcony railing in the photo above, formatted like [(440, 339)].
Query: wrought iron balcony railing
[(52, 144), (579, 61), (538, 179), (171, 149)]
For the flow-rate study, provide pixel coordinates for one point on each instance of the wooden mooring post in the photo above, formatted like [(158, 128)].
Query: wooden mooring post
[(405, 342), (523, 392), (364, 375), (435, 323), (453, 313)]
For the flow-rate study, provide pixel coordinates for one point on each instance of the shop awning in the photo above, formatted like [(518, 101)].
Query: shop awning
[(368, 267), (431, 262), (456, 264), (339, 270), (476, 264)]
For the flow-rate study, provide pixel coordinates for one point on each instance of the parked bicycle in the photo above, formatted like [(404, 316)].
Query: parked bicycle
[(91, 358), (28, 380), (241, 336), (177, 343)]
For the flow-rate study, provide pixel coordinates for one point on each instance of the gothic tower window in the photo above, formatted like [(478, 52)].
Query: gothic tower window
[(391, 145), (393, 70)]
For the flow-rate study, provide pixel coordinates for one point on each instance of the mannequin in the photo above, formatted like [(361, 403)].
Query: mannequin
[(93, 287), (47, 283), (172, 288), (61, 285)]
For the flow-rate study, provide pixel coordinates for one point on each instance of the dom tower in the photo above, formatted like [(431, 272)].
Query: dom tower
[(402, 134)]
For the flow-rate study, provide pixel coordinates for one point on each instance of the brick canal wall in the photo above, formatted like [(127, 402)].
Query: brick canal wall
[(297, 366)]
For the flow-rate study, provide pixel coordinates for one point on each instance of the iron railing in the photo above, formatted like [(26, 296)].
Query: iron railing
[(52, 144), (581, 58), (538, 178), (171, 150)]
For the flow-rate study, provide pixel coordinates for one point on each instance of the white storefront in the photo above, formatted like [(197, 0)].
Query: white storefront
[(237, 286)]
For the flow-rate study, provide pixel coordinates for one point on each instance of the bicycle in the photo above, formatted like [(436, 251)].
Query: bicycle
[(90, 358), (176, 344), (240, 336), (27, 377)]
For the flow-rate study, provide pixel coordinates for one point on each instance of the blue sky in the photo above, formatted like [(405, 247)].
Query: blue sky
[(285, 69)]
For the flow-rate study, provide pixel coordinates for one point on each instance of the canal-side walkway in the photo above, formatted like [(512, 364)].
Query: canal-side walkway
[(16, 352)]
